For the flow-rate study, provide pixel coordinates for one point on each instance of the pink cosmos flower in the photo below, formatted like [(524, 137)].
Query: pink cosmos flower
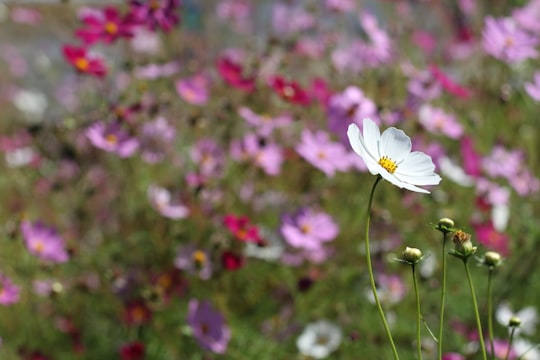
[(453, 356), (264, 124), (528, 16), (107, 26), (506, 41), (208, 156), (349, 106), (194, 89), (289, 19), (436, 120), (237, 13), (208, 326), (156, 71), (472, 161), (22, 15), (242, 229), (233, 74), (154, 13), (156, 139), (261, 151), (194, 261), (168, 206), (112, 138), (44, 242), (487, 235), (525, 183), (325, 155), (84, 63), (378, 49), (422, 84), (340, 5), (290, 91), (9, 293), (533, 88), (448, 84), (308, 229)]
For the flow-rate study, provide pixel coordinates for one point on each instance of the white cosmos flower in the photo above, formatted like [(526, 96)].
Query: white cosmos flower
[(390, 156), (319, 339)]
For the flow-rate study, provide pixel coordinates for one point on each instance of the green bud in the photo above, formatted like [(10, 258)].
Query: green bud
[(412, 255), (492, 259), (514, 321), (463, 247), (445, 225)]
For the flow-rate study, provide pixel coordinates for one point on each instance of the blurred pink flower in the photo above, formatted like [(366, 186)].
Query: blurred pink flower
[(233, 74), (156, 139), (533, 88), (487, 235), (289, 19), (194, 89), (194, 261), (84, 62), (503, 39), (264, 124), (453, 356), (436, 120), (237, 13), (168, 206), (107, 26), (308, 229), (154, 14), (44, 242), (9, 293), (112, 138), (26, 16), (472, 161), (261, 151), (208, 326), (448, 84), (324, 154), (528, 16), (340, 5), (156, 71), (208, 157)]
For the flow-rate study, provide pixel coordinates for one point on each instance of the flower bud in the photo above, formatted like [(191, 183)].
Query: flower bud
[(463, 247), (514, 321), (492, 259), (412, 255), (445, 225)]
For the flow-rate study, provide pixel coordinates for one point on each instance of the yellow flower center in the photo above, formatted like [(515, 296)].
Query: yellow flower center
[(288, 91), (38, 246), (388, 164), (305, 228), (199, 257), (111, 28), (82, 64), (111, 139)]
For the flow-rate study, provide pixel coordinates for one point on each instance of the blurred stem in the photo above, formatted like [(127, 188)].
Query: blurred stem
[(443, 296), (476, 313), (490, 313), (370, 270), (418, 313), (510, 342)]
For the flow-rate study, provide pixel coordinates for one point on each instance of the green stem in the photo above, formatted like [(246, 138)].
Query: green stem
[(443, 296), (476, 312), (418, 314), (370, 270), (490, 313), (510, 342)]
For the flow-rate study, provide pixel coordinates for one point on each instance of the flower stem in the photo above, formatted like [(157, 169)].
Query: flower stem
[(370, 270), (443, 296), (418, 314), (476, 313), (490, 313), (510, 342)]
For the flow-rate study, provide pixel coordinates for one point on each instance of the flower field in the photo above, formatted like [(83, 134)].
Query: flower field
[(270, 180)]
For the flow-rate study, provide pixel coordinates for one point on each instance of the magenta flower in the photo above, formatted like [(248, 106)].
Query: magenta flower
[(435, 120), (448, 84), (327, 156), (472, 161), (308, 229), (262, 152), (422, 84), (453, 356), (107, 26), (487, 235), (9, 293), (349, 106), (264, 124), (154, 13), (193, 89), (112, 138), (233, 74), (533, 88), (44, 242), (84, 62), (156, 139), (506, 41), (208, 326), (194, 261), (163, 201)]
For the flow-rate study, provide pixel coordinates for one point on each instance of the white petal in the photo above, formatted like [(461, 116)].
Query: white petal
[(372, 136), (432, 179), (394, 180), (416, 164), (359, 147), (395, 144)]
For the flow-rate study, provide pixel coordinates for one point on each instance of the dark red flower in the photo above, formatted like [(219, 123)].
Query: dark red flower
[(137, 313), (154, 13), (233, 74), (290, 91), (132, 351), (108, 27), (232, 261), (82, 62), (448, 84), (242, 229)]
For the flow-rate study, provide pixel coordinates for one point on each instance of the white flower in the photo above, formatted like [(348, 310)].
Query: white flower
[(526, 350), (162, 201), (319, 339), (390, 156), (32, 103), (527, 315)]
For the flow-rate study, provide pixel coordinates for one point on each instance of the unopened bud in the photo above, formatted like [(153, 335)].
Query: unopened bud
[(445, 225), (514, 321), (492, 258), (412, 255), (463, 247)]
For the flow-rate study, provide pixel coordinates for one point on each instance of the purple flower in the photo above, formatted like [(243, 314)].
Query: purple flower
[(506, 41), (289, 19), (208, 156), (422, 84), (528, 16), (162, 201), (156, 138), (112, 138), (435, 120), (44, 242), (533, 88), (237, 12), (322, 153), (349, 106), (264, 153), (208, 326), (308, 229), (264, 124), (154, 13), (9, 293), (194, 261), (193, 89)]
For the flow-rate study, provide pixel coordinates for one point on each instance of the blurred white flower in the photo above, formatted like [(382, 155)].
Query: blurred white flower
[(389, 155), (319, 339), (525, 350), (527, 315), (32, 103)]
